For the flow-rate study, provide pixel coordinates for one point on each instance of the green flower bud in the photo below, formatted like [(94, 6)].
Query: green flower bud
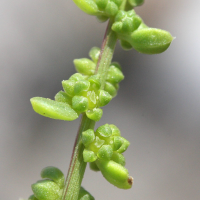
[(124, 145), (104, 131), (32, 197), (111, 9), (115, 173), (81, 86), (110, 88), (53, 109), (118, 141), (46, 190), (80, 103), (95, 83), (96, 144), (88, 137), (118, 158), (115, 130), (87, 6), (114, 75), (76, 77), (105, 152), (135, 3), (68, 87), (151, 40), (93, 166), (94, 53), (94, 114), (63, 97), (85, 66), (84, 195), (54, 174), (89, 156), (104, 98)]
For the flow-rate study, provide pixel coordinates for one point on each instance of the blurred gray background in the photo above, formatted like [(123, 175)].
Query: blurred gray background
[(157, 109)]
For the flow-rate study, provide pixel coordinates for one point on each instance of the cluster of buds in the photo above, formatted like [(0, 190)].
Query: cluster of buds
[(133, 33), (82, 92), (103, 150), (51, 186)]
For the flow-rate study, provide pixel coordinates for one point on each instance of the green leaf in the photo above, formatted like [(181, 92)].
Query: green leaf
[(115, 173), (46, 190), (53, 109), (87, 6), (151, 40), (54, 174)]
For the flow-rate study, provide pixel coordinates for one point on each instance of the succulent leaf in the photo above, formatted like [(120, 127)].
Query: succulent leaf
[(53, 109)]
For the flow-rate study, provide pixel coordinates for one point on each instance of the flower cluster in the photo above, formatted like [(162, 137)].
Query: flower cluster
[(82, 92), (103, 149)]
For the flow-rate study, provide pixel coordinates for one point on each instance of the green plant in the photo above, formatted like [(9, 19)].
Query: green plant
[(85, 92)]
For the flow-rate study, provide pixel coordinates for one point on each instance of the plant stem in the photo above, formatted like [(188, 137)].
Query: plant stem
[(77, 164)]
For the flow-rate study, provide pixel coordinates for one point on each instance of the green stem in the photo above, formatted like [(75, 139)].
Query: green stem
[(77, 164), (107, 50)]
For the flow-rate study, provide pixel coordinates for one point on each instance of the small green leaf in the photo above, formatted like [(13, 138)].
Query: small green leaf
[(94, 53), (151, 40), (53, 109), (84, 66), (115, 173), (46, 190), (54, 174)]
